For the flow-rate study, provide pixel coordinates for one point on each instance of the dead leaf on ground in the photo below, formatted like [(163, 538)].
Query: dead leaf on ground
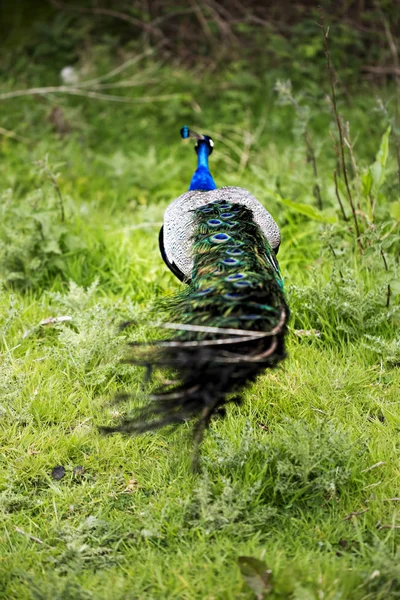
[(257, 575), (132, 485)]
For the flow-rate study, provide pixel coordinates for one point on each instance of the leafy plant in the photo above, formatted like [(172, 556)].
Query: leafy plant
[(35, 240)]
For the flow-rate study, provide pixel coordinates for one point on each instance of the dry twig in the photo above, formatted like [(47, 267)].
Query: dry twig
[(28, 535), (345, 218), (76, 91), (355, 514), (376, 465), (340, 129)]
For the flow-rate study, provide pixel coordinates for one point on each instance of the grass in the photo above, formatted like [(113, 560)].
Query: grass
[(303, 476)]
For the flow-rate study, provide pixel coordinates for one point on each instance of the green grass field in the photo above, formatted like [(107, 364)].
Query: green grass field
[(305, 476)]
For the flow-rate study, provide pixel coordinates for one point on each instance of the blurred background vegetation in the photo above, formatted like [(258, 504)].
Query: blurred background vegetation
[(55, 33)]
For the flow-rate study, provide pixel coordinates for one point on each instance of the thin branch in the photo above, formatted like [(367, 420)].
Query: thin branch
[(372, 485), (75, 91), (171, 15), (331, 248), (53, 320), (125, 83), (339, 128), (338, 196), (355, 514), (108, 13), (381, 70), (131, 61), (202, 20), (349, 145), (391, 43), (311, 158), (389, 233), (28, 535), (389, 291), (375, 466), (318, 410), (396, 71)]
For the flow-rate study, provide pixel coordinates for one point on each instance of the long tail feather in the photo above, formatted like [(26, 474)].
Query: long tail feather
[(232, 323)]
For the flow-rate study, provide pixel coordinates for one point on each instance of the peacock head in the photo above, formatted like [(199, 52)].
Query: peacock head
[(201, 140)]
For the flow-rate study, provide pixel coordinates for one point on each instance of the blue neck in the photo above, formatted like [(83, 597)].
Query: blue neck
[(202, 178)]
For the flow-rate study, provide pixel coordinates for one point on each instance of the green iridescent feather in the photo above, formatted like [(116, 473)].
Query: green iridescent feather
[(230, 324), (236, 280)]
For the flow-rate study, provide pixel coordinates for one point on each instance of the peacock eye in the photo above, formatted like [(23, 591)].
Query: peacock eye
[(230, 261), (220, 238), (214, 222), (204, 292), (210, 141), (242, 284), (234, 296), (235, 251), (235, 276)]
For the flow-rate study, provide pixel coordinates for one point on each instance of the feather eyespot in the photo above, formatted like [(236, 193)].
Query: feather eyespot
[(227, 215), (234, 296), (214, 222), (234, 251), (242, 284), (235, 276), (225, 205), (204, 292), (220, 238), (230, 261)]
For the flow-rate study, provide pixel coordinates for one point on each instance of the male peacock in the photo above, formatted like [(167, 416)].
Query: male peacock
[(232, 318)]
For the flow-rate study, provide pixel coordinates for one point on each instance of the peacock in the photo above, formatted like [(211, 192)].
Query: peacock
[(230, 322)]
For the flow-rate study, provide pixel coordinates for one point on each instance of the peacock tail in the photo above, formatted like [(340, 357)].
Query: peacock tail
[(230, 323)]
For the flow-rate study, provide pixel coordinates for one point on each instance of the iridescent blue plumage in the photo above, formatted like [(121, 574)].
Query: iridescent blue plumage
[(202, 178)]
